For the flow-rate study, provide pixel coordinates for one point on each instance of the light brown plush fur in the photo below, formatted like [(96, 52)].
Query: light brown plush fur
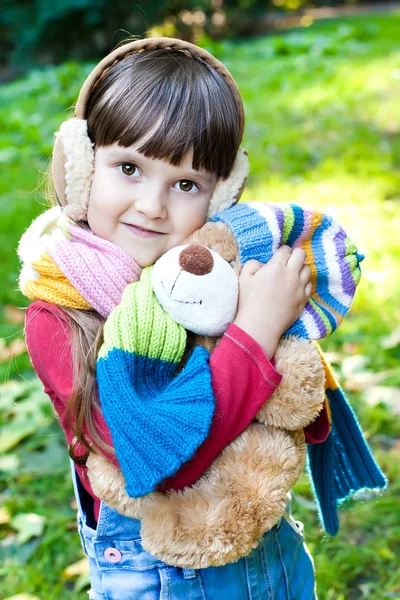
[(243, 494), (298, 399), (240, 497)]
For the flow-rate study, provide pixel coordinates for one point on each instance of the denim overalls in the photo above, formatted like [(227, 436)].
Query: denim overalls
[(280, 568)]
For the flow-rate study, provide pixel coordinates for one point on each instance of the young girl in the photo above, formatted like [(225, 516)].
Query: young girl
[(164, 121)]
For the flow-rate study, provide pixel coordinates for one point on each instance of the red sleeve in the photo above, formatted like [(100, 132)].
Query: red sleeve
[(48, 339)]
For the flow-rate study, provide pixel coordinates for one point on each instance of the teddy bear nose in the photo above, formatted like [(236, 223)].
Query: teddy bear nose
[(196, 259)]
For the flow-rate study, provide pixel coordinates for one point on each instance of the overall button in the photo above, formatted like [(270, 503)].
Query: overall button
[(112, 555)]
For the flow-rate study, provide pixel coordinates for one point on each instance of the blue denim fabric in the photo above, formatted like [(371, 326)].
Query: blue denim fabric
[(280, 568)]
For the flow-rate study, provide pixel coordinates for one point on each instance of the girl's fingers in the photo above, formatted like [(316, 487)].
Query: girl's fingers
[(296, 260), (251, 267), (282, 255), (305, 274), (308, 289)]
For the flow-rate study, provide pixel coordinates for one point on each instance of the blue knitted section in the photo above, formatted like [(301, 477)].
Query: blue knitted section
[(343, 464), (251, 231), (297, 228), (298, 330), (165, 418)]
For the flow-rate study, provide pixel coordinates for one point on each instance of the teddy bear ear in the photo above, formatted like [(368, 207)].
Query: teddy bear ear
[(218, 237), (227, 192)]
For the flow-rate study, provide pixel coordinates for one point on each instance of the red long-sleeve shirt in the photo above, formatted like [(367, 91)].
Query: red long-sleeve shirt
[(243, 379)]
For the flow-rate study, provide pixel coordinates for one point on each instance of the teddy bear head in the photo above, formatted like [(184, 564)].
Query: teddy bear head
[(197, 283)]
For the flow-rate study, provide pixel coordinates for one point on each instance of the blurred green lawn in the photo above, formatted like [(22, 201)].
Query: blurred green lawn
[(323, 125)]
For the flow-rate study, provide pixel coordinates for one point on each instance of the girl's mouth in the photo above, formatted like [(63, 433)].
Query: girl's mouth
[(143, 233)]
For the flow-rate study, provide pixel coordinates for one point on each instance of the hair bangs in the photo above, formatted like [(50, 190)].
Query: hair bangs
[(165, 103)]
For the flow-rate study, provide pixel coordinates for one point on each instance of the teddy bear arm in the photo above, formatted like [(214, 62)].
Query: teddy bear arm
[(299, 398)]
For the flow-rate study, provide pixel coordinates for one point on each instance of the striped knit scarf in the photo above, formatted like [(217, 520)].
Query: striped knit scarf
[(157, 420), (71, 266)]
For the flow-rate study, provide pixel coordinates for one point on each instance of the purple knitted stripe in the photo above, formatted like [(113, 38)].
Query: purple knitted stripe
[(348, 283), (317, 320), (280, 216)]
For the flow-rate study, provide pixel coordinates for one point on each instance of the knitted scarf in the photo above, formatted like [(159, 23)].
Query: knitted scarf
[(70, 266), (343, 463), (158, 420)]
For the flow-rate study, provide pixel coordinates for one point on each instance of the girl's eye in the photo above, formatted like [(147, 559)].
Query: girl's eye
[(184, 185), (129, 169)]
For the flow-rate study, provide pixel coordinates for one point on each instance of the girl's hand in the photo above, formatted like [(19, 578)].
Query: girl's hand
[(272, 296)]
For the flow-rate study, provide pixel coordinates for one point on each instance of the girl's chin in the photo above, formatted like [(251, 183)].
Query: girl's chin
[(144, 259)]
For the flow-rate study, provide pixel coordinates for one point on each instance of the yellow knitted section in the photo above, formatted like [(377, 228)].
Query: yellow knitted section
[(53, 286), (307, 247)]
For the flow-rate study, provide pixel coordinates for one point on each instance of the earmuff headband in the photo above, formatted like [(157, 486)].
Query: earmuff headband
[(155, 44)]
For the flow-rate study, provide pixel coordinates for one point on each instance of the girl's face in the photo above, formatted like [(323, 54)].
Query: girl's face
[(146, 206)]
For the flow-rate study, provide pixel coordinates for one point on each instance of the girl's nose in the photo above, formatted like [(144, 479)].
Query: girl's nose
[(196, 259), (151, 202)]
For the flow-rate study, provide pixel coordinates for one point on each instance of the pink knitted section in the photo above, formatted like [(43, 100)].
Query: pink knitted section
[(100, 270)]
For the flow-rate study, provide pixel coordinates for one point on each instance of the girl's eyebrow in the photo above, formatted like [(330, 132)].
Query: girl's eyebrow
[(201, 176), (187, 173)]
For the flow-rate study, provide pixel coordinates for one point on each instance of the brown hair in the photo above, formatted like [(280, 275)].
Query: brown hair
[(169, 102), (178, 98)]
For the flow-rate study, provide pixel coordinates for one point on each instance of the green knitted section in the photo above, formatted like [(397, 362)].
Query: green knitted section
[(288, 223), (352, 259), (139, 325), (322, 315)]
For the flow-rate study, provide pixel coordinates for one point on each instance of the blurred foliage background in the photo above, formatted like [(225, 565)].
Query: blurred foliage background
[(43, 31), (323, 130)]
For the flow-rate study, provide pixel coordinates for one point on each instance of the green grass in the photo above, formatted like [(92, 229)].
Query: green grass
[(322, 130)]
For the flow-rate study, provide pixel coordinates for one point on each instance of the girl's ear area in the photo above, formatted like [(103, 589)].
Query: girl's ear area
[(227, 192)]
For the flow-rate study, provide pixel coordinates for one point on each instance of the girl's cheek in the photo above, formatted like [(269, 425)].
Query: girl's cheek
[(189, 217)]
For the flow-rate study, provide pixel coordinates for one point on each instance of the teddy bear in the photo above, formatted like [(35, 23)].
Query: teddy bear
[(243, 494), (155, 387)]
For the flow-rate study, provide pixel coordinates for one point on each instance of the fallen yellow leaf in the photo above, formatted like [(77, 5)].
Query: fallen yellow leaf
[(4, 515), (17, 347), (78, 568), (4, 355)]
